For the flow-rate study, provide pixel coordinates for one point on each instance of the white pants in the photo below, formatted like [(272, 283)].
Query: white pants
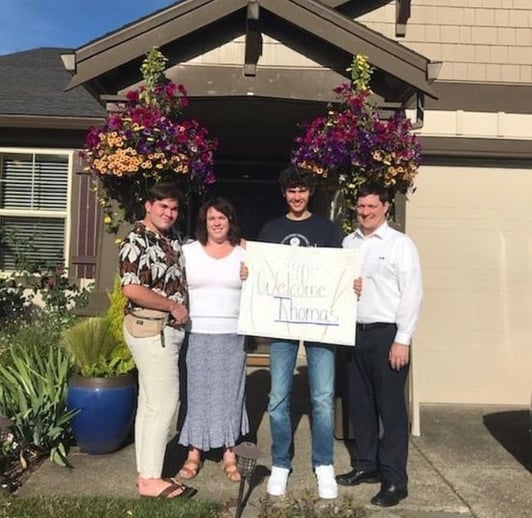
[(158, 396)]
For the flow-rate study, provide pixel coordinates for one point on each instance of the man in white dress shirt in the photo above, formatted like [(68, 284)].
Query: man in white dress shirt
[(377, 368)]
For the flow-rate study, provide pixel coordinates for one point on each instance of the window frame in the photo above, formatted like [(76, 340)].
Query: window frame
[(57, 214)]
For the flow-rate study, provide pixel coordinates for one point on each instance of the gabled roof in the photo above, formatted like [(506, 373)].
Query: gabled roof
[(185, 29), (33, 84)]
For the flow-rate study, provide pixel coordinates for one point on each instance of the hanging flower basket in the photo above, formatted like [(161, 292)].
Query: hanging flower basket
[(147, 141), (353, 144)]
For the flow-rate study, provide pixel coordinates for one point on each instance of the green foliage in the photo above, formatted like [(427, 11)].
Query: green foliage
[(115, 312), (92, 346), (42, 333), (59, 294), (24, 250), (361, 72), (153, 73), (115, 318), (33, 395), (37, 289), (14, 302), (89, 507), (46, 297), (37, 303), (97, 344)]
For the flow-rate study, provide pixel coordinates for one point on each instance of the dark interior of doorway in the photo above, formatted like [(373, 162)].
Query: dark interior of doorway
[(255, 201)]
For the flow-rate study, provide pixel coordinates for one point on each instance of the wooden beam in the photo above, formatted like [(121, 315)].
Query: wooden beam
[(283, 83), (253, 39), (402, 14)]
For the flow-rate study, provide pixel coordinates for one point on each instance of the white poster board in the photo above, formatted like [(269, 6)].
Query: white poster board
[(300, 293)]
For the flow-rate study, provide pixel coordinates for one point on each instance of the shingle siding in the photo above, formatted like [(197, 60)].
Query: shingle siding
[(500, 32)]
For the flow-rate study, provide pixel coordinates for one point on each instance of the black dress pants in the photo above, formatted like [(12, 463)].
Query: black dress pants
[(376, 391)]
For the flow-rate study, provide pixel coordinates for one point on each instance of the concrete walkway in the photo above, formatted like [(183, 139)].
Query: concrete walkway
[(469, 462)]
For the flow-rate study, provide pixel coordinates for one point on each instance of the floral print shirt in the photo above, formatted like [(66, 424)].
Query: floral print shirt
[(154, 261)]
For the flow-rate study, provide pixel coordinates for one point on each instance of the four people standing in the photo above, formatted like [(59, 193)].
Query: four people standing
[(152, 270)]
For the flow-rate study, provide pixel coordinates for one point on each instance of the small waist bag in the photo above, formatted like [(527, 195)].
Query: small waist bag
[(143, 323)]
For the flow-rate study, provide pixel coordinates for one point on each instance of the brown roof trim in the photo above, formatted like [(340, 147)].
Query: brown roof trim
[(481, 148), (134, 40), (355, 38), (481, 97), (190, 10), (334, 3), (312, 16), (47, 122), (220, 81)]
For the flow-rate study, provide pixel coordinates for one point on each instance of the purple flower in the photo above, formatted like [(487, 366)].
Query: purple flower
[(353, 144), (147, 141)]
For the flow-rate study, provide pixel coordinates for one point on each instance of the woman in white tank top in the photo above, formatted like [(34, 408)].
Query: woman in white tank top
[(216, 415)]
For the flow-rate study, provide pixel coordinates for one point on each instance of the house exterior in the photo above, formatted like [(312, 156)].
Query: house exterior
[(254, 70)]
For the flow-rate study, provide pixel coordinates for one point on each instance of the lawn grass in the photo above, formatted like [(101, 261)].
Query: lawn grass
[(308, 506), (104, 507)]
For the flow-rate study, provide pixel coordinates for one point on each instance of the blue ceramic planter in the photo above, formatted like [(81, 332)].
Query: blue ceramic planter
[(107, 409)]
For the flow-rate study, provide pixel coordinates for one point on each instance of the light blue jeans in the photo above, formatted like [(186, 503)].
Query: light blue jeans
[(320, 363)]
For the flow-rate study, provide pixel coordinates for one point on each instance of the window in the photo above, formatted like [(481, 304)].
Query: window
[(33, 208)]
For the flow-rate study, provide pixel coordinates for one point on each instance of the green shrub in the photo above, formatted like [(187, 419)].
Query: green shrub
[(42, 333), (33, 395), (14, 302)]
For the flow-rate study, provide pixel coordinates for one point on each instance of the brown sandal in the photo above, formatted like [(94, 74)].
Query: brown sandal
[(190, 469), (231, 471)]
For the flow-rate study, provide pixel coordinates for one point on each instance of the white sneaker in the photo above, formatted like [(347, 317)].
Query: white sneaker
[(277, 482), (327, 487)]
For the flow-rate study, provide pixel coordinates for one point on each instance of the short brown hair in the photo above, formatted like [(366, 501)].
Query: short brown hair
[(162, 190)]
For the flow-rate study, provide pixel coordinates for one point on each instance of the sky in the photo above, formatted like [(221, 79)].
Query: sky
[(29, 24)]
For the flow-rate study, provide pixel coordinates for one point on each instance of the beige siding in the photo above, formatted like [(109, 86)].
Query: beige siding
[(473, 343), (476, 124), (274, 53), (477, 40)]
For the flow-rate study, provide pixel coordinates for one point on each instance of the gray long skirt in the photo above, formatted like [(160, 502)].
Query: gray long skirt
[(216, 377)]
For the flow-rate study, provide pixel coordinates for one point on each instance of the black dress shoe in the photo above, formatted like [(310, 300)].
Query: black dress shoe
[(358, 476), (389, 495)]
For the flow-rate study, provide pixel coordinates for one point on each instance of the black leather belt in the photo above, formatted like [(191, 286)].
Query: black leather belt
[(373, 325)]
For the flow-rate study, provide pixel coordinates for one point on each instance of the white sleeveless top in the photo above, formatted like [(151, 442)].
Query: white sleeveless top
[(214, 289)]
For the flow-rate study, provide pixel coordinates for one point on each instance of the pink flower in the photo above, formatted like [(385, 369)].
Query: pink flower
[(148, 141)]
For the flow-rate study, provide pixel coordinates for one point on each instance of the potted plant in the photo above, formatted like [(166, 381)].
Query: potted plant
[(103, 387)]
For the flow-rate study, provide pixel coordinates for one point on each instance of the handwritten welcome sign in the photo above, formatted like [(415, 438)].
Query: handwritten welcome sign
[(300, 293)]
